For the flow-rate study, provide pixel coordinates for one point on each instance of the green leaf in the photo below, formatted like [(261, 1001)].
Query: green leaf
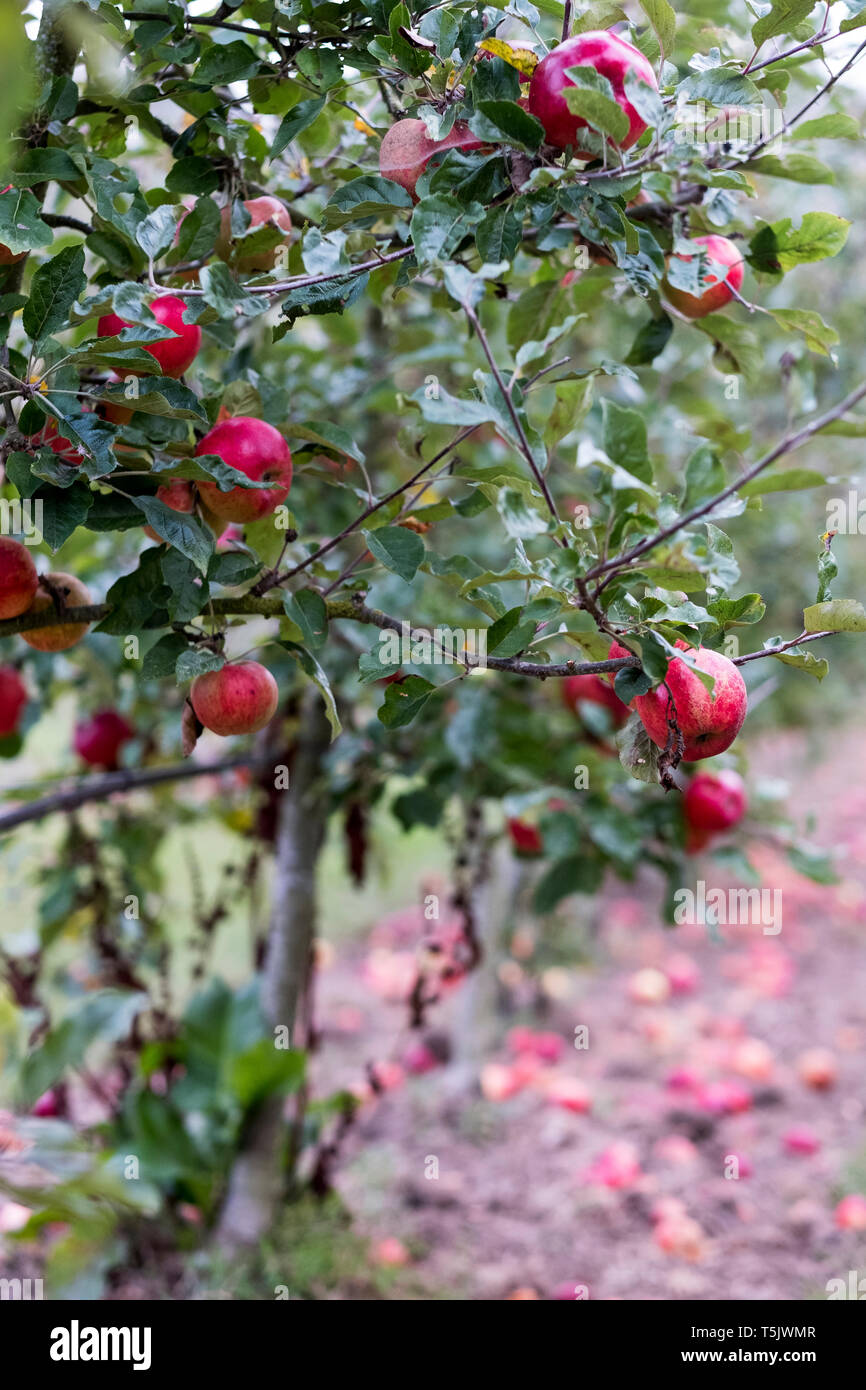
[(781, 246), (497, 235), (575, 874), (159, 395), (226, 62), (403, 701), (62, 512), (196, 661), (663, 19), (783, 18), (796, 166), (720, 87), (439, 224), (329, 436), (839, 615), (650, 341), (802, 660), (179, 529), (819, 336), (54, 289), (591, 97), (506, 118), (161, 660), (521, 521), (105, 1017), (295, 122), (21, 227), (397, 548), (39, 165), (833, 126), (308, 609), (311, 668), (624, 439), (737, 347), (784, 480)]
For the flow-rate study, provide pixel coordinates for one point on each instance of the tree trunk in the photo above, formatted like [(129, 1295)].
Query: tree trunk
[(256, 1185)]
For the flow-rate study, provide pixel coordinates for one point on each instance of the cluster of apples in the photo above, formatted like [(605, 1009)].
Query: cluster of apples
[(406, 149), (708, 722)]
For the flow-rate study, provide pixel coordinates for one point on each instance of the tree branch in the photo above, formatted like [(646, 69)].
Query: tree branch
[(127, 780), (785, 446)]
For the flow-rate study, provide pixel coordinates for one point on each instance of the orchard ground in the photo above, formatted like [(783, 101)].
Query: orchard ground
[(513, 1206)]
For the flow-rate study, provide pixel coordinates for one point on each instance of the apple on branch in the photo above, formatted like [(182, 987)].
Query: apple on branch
[(256, 449), (608, 55), (174, 355), (724, 275), (709, 723), (407, 149), (240, 698)]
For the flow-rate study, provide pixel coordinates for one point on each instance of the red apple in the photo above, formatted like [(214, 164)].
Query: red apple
[(617, 1167), (179, 495), (720, 283), (98, 740), (850, 1214), (594, 691), (390, 1253), (800, 1139), (237, 699), (18, 578), (59, 637), (49, 438), (525, 838), (680, 1236), (817, 1068), (610, 56), (569, 1093), (261, 210), (8, 257), (47, 1106), (709, 723), (174, 355), (407, 149), (256, 449), (714, 801), (13, 698)]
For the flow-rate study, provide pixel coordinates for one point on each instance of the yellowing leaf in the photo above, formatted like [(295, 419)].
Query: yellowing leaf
[(524, 59)]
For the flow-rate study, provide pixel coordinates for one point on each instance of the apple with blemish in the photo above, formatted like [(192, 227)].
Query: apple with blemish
[(709, 723), (407, 149), (18, 578), (722, 277), (257, 450), (240, 698), (58, 637)]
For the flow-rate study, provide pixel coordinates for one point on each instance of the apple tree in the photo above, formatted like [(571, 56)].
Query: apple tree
[(381, 389)]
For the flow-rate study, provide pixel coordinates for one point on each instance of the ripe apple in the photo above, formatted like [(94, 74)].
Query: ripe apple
[(569, 1093), (800, 1139), (709, 723), (525, 838), (98, 740), (753, 1059), (60, 636), (18, 578), (174, 355), (407, 149), (49, 438), (714, 801), (649, 986), (613, 58), (179, 495), (261, 210), (47, 1107), (390, 1253), (238, 699), (850, 1214), (256, 449), (817, 1068), (680, 1236), (8, 257), (13, 698), (594, 691), (720, 287)]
